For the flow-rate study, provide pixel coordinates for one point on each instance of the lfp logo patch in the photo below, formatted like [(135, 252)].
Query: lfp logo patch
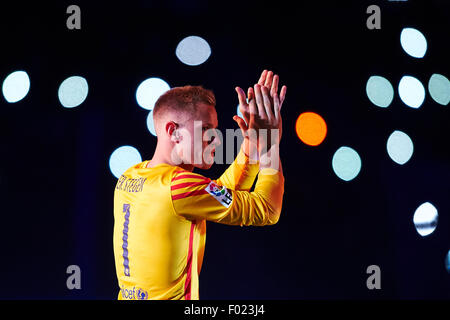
[(220, 193)]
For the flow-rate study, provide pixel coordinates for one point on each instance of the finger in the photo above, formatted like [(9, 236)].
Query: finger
[(245, 113), (282, 95), (262, 79), (269, 78), (249, 95), (267, 103), (241, 124), (243, 105), (274, 88), (241, 96), (276, 106), (252, 104), (260, 102)]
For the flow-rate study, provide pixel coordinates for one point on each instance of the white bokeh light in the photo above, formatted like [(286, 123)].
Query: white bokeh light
[(439, 89), (411, 91), (346, 163), (193, 50), (16, 86), (150, 123), (400, 147), (379, 91), (123, 158), (425, 219), (413, 42), (73, 91), (149, 91)]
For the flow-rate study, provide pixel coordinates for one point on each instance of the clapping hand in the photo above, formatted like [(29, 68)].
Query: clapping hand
[(262, 111)]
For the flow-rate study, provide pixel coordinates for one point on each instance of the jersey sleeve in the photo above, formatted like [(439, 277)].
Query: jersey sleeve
[(196, 197), (240, 175)]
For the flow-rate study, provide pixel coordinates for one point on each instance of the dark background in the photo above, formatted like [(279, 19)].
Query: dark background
[(57, 190)]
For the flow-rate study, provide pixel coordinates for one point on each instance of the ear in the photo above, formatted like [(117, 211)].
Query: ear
[(171, 130)]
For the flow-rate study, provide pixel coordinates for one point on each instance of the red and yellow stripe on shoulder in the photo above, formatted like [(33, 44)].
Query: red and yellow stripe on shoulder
[(186, 184)]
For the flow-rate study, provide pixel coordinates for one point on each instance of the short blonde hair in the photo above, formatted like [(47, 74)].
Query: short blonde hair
[(183, 99)]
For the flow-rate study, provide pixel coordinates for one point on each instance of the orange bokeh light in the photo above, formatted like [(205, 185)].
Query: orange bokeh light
[(311, 128)]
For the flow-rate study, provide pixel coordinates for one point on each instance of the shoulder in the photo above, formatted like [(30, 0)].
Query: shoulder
[(183, 176), (185, 184)]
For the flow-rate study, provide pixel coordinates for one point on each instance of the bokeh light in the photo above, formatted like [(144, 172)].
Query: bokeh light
[(379, 91), (16, 86), (311, 128), (73, 91), (123, 158), (425, 219), (149, 91), (447, 261), (193, 50), (346, 163), (399, 147), (411, 91), (439, 89), (150, 124), (413, 42)]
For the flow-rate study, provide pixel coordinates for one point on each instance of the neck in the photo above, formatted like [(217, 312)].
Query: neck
[(161, 155)]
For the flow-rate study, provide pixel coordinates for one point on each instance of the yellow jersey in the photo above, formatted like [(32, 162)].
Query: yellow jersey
[(160, 218)]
